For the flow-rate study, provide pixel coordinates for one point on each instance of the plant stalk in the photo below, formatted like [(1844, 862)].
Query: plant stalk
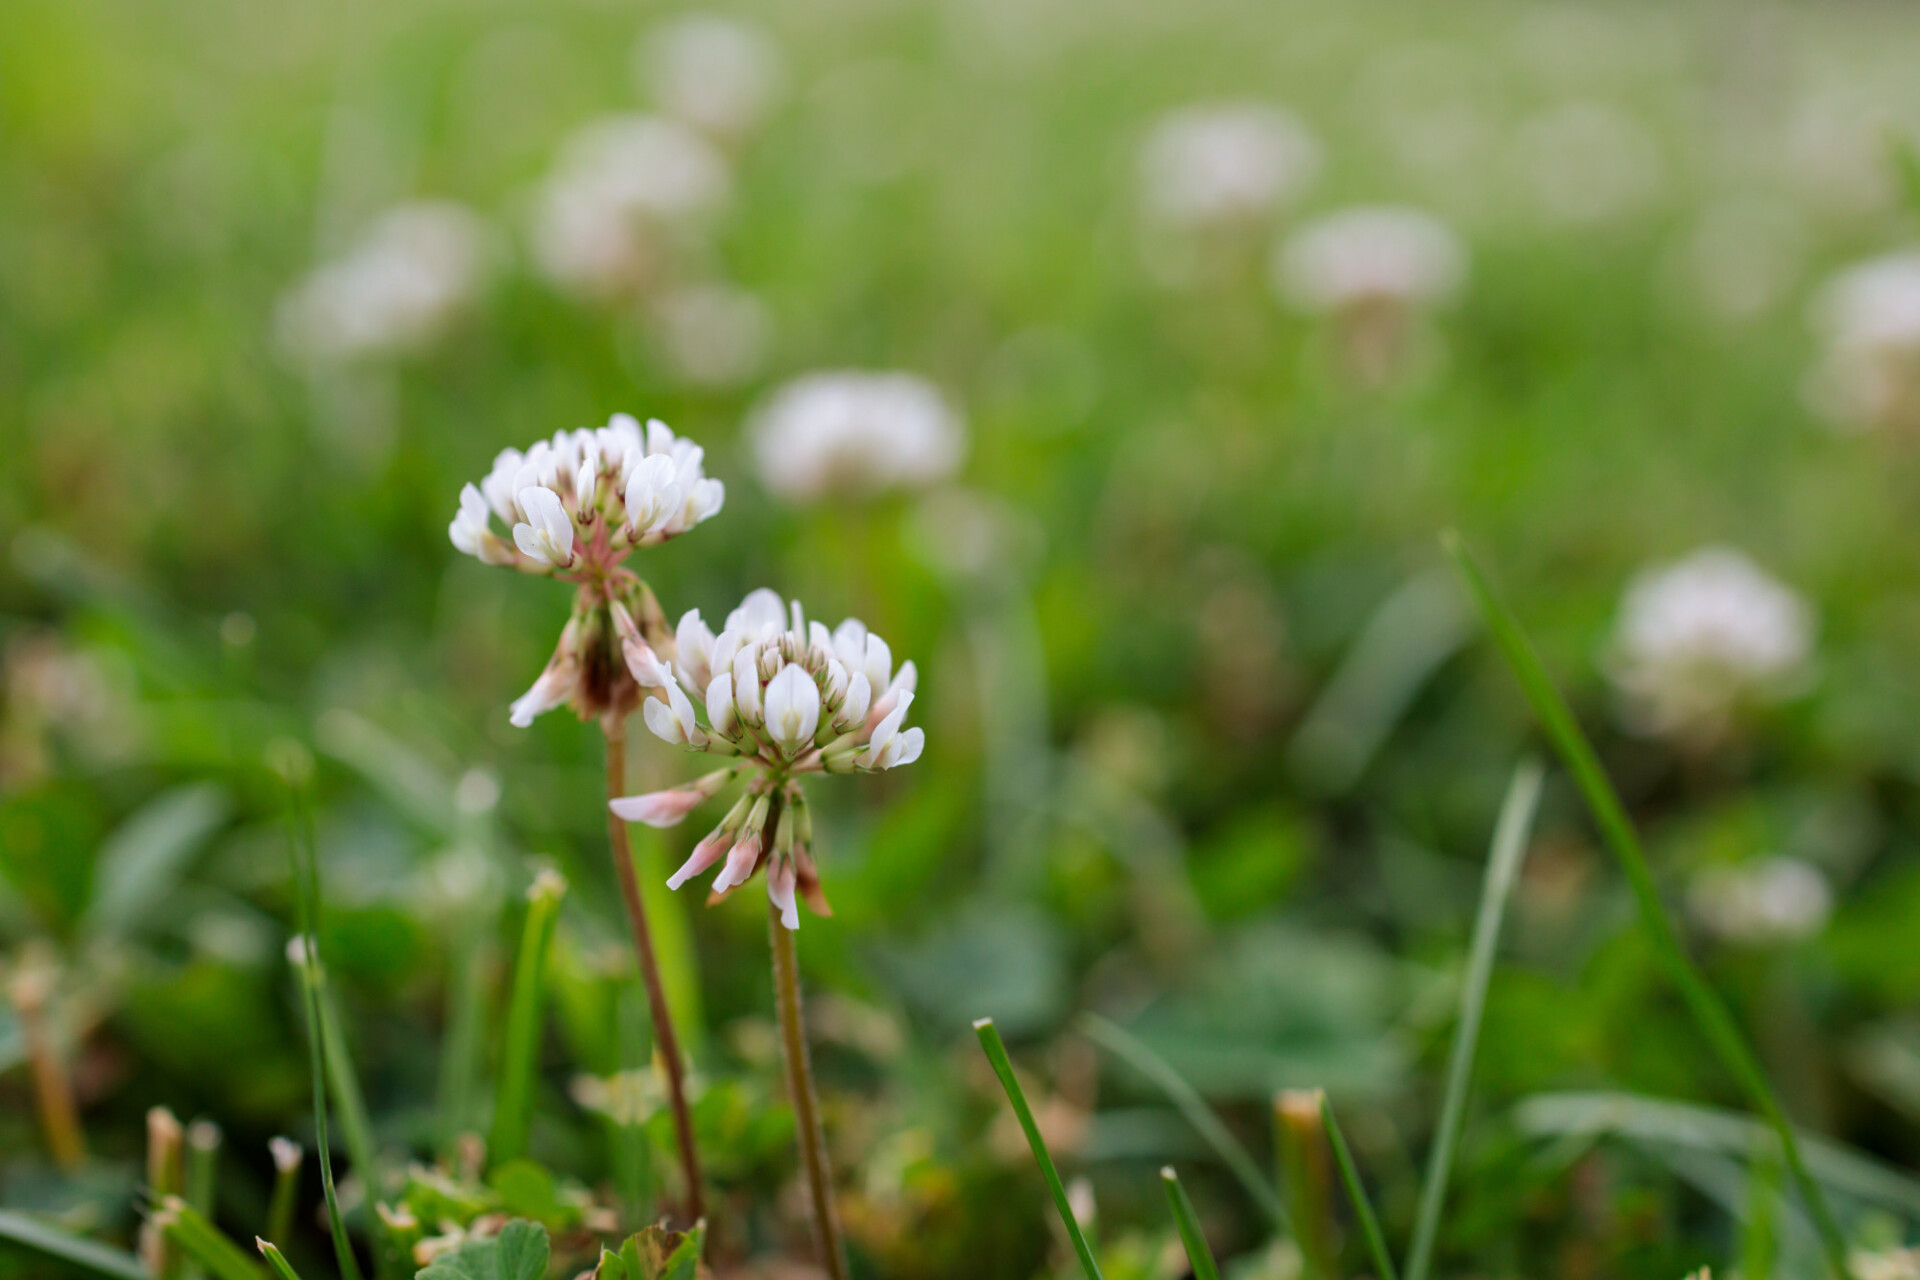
[(665, 1041), (806, 1106), (52, 1088)]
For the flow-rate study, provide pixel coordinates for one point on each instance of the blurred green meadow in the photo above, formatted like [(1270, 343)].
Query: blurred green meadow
[(1214, 742)]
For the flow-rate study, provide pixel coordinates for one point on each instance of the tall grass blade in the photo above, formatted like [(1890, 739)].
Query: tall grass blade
[(306, 955), (520, 1051), (996, 1051), (1716, 1024), (1503, 868), (275, 1259), (43, 1237), (1199, 1256), (1129, 1049), (1357, 1193)]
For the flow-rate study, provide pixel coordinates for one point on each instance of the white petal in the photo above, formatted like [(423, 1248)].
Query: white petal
[(665, 725), (721, 713), (853, 712)]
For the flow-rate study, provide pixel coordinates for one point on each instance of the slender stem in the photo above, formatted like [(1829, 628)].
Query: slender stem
[(664, 1038), (806, 1106), (1617, 829), (1300, 1134), (1510, 833), (520, 1050)]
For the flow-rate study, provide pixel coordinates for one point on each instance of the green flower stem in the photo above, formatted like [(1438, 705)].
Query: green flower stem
[(665, 1041), (996, 1051), (806, 1105), (1199, 1256), (1357, 1193), (520, 1051), (1716, 1024), (1510, 834)]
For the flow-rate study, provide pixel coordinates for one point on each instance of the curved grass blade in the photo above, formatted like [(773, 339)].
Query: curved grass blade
[(306, 955), (43, 1237), (1129, 1049), (1610, 815), (996, 1051), (513, 1104), (1198, 1254), (1503, 868), (1357, 1193)]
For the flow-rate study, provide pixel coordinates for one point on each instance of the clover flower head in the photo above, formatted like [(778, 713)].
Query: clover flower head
[(717, 73), (396, 289), (1377, 256), (855, 433), (1225, 162), (624, 191), (1778, 899), (1869, 315), (1696, 638), (579, 503), (784, 698)]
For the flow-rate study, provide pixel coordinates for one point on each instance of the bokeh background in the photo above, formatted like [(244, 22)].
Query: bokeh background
[(1214, 749)]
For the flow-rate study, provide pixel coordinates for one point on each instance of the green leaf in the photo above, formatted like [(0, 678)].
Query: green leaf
[(519, 1252), (46, 1238), (145, 856), (655, 1253)]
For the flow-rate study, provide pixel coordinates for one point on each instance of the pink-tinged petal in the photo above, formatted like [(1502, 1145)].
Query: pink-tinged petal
[(780, 886), (741, 860), (658, 808), (705, 854)]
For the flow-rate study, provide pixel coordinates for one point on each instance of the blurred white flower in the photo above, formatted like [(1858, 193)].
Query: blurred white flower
[(1869, 373), (415, 270), (713, 334), (1588, 162), (624, 190), (716, 73), (1740, 259), (1379, 255), (1697, 638), (789, 698), (1228, 162), (1776, 900), (855, 433), (1892, 1264)]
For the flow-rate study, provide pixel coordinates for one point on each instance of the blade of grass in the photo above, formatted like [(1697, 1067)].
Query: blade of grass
[(188, 1231), (1716, 1024), (1759, 1234), (1510, 834), (513, 1101), (44, 1237), (1357, 1193), (304, 952), (281, 1267), (203, 1154), (343, 1082), (465, 1040), (1199, 1256), (1129, 1049), (996, 1051)]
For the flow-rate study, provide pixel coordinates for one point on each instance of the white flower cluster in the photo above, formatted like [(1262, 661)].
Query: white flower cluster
[(1207, 165), (394, 291), (1696, 638), (855, 433), (623, 189), (1377, 256), (587, 497), (1869, 316), (1776, 900), (717, 73), (791, 698)]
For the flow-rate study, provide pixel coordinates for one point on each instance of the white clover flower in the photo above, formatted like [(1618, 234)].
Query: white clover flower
[(788, 698), (1697, 638), (624, 189), (415, 270), (1776, 900), (1372, 256), (716, 73), (855, 433), (712, 334), (1869, 316), (576, 506), (1202, 166)]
